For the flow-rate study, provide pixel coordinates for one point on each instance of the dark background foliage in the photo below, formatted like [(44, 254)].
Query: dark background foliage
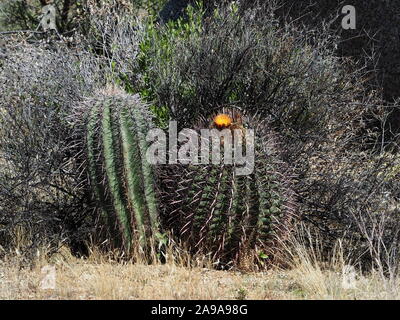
[(376, 30), (376, 35)]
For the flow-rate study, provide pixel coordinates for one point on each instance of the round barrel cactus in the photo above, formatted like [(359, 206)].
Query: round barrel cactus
[(235, 210)]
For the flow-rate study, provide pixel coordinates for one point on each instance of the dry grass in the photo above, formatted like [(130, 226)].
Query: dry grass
[(99, 277)]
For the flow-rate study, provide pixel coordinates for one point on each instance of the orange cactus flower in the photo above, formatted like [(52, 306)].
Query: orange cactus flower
[(222, 120)]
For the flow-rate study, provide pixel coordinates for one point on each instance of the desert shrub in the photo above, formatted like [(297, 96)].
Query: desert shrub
[(127, 44), (175, 9), (112, 34), (192, 67), (72, 17), (354, 196), (108, 20), (39, 185)]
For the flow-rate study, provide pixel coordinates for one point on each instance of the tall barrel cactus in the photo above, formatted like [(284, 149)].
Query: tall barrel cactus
[(122, 182), (233, 218)]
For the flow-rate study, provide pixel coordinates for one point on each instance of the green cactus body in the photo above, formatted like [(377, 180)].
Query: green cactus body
[(132, 165), (228, 216), (147, 172), (93, 169), (122, 180), (110, 141)]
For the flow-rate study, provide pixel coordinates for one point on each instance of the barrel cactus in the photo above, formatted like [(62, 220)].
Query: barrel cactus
[(114, 127), (235, 219)]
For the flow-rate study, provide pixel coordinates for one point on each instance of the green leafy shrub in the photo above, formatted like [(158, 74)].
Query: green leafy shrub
[(158, 43)]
